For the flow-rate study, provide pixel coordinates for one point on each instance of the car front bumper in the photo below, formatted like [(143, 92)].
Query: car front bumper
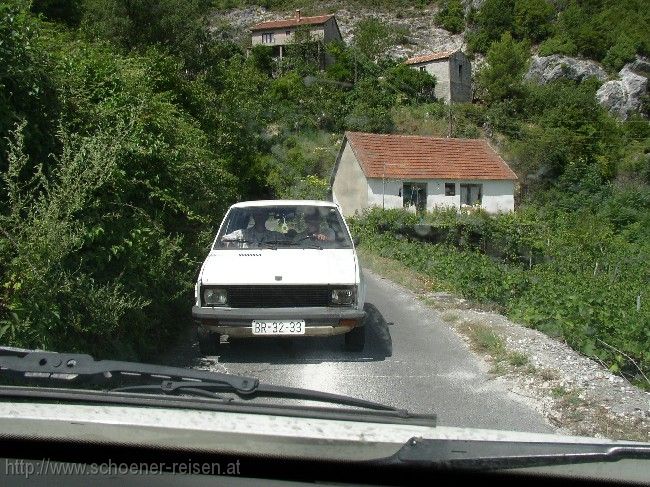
[(237, 322)]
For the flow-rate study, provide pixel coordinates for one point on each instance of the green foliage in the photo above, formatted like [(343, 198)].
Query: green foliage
[(568, 274), (594, 29), (560, 44), (620, 53), (566, 128), (26, 91), (371, 108), (177, 25), (452, 16), (506, 64), (372, 37), (411, 85), (532, 19), (493, 19)]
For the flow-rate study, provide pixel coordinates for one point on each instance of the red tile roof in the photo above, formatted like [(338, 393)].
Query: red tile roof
[(292, 22), (429, 57), (417, 157)]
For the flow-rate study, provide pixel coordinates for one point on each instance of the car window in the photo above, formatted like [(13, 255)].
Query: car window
[(288, 226)]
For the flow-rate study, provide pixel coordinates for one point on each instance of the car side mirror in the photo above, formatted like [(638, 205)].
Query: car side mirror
[(356, 241)]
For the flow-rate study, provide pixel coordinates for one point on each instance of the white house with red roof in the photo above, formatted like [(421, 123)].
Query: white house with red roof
[(409, 171), (453, 73), (279, 33)]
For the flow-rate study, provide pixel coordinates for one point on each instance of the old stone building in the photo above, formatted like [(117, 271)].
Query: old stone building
[(278, 34), (453, 73)]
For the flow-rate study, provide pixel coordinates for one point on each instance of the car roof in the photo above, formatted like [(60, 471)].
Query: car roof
[(262, 203)]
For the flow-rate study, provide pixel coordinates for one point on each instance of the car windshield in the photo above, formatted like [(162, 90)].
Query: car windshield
[(291, 226), (438, 206)]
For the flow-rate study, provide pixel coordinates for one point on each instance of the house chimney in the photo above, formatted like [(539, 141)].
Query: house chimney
[(298, 14)]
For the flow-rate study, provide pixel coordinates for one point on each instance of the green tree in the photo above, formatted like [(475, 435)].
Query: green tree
[(373, 37), (412, 85), (620, 53), (506, 63), (494, 18), (532, 19), (180, 26), (452, 16)]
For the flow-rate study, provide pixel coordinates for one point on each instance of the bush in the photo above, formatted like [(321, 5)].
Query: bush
[(502, 77), (452, 16), (567, 274)]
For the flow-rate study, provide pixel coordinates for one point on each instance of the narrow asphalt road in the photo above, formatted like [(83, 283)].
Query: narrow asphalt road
[(412, 360)]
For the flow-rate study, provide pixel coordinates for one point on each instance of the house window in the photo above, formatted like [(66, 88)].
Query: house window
[(460, 71), (471, 194), (450, 189), (423, 68), (288, 33), (267, 38), (415, 194)]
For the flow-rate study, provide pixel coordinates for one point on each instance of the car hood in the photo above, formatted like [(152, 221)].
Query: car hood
[(281, 266)]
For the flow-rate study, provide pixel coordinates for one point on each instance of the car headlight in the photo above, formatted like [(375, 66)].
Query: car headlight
[(342, 296), (215, 297)]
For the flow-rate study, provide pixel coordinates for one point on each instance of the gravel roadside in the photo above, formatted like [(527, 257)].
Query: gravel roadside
[(576, 394)]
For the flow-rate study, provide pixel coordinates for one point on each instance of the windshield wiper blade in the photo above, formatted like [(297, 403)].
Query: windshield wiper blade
[(75, 368), (210, 390), (498, 455)]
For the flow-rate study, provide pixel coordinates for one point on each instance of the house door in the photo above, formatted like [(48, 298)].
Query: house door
[(471, 194), (415, 195)]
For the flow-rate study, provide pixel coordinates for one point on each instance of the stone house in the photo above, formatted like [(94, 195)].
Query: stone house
[(280, 33), (420, 173), (453, 73)]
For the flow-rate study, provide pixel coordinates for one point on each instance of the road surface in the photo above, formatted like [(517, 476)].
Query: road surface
[(412, 360)]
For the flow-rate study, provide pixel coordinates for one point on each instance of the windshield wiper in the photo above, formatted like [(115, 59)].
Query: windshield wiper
[(81, 368), (499, 455)]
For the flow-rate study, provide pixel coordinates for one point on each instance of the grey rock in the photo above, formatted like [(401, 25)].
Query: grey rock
[(544, 69), (623, 97), (641, 65)]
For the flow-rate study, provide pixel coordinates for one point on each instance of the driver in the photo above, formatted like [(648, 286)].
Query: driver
[(314, 231)]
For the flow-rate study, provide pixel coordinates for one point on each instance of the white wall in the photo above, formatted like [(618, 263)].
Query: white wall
[(440, 69), (498, 196), (376, 190), (349, 189), (449, 85)]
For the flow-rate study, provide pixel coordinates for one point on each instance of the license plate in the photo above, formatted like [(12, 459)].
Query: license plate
[(263, 327)]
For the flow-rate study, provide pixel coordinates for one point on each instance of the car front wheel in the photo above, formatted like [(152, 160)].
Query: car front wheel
[(208, 342), (355, 340)]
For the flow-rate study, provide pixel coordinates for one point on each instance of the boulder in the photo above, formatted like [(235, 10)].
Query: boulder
[(544, 69), (624, 96)]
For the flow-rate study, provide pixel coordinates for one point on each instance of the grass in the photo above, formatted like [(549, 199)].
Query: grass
[(396, 272), (451, 317)]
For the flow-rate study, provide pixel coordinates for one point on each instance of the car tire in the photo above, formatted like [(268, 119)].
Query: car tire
[(355, 340), (208, 342)]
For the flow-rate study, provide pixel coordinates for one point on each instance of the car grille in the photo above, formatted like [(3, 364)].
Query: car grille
[(278, 296)]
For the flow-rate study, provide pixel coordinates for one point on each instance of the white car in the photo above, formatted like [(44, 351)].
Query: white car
[(281, 268)]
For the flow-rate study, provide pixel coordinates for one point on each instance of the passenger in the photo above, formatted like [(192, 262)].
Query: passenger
[(255, 235)]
